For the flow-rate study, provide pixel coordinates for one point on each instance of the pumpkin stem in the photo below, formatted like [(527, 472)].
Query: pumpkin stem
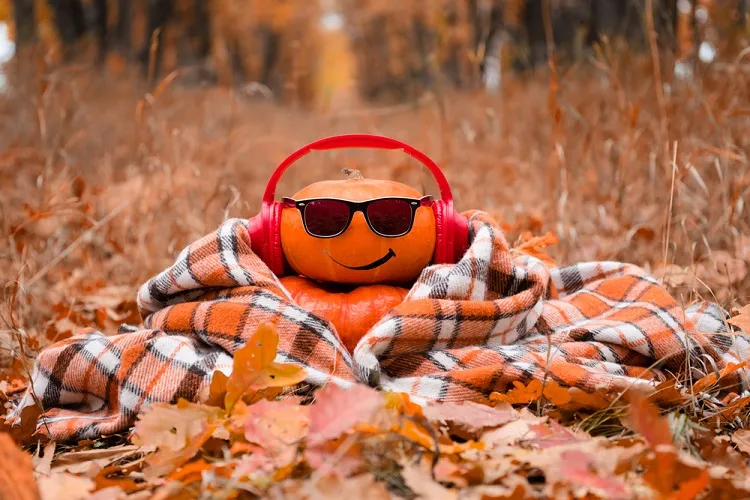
[(354, 174)]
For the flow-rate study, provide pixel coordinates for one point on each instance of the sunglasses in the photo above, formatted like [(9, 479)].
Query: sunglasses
[(330, 217)]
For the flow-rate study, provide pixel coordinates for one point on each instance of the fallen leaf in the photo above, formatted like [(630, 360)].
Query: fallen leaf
[(99, 454), (337, 410), (421, 483), (64, 485), (550, 434), (172, 426), (688, 490), (360, 486), (742, 319), (525, 394), (278, 427), (217, 391), (471, 416), (16, 472), (533, 245), (254, 367), (742, 439), (166, 460), (644, 419), (578, 468), (341, 458), (43, 464)]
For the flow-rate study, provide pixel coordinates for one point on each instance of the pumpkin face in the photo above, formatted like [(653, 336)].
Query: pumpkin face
[(352, 312), (358, 255)]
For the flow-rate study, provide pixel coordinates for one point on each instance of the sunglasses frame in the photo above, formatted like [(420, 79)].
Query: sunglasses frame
[(359, 206)]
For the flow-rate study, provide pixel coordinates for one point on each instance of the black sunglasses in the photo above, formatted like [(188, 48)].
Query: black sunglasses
[(389, 217)]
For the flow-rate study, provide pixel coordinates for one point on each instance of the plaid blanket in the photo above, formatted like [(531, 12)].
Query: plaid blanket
[(464, 330)]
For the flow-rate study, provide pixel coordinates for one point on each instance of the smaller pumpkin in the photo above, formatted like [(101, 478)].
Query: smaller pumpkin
[(351, 311)]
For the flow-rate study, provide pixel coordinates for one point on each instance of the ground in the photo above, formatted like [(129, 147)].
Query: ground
[(104, 181)]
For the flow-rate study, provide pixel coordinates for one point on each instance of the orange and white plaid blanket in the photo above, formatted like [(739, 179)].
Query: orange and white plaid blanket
[(463, 331)]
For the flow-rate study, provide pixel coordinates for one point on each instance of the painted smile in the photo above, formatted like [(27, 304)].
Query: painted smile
[(366, 267)]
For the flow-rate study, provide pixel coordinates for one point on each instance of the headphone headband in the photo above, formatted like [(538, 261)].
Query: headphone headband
[(365, 141)]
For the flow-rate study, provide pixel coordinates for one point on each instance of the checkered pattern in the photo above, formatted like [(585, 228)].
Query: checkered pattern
[(463, 331)]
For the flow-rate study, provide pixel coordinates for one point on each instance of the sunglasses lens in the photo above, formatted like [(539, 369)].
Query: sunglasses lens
[(390, 217), (326, 217)]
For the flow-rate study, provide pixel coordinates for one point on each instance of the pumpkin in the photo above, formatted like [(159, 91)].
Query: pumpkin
[(358, 255), (351, 311)]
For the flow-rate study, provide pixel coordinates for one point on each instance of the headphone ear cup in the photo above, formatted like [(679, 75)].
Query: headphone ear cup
[(443, 233), (274, 257), (256, 230), (460, 236)]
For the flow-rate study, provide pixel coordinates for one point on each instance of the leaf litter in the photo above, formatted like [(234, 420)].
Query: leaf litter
[(255, 439)]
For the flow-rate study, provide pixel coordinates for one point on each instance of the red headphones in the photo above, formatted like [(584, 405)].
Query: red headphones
[(265, 228)]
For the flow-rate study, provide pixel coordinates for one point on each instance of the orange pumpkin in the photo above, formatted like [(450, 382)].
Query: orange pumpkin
[(358, 255), (352, 311)]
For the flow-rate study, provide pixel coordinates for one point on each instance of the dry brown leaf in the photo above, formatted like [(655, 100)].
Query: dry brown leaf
[(98, 454), (579, 469), (43, 464), (525, 394), (688, 490), (337, 410), (471, 416), (16, 472), (278, 427), (254, 367), (341, 458), (173, 426), (534, 245), (421, 483), (644, 419), (742, 439), (742, 319), (64, 485), (360, 486)]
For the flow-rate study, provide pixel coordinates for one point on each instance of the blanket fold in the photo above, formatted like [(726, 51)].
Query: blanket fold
[(463, 331)]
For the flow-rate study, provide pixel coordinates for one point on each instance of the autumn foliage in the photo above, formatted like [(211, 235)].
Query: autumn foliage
[(103, 179)]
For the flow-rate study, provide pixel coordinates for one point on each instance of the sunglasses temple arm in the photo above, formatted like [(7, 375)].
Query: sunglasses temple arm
[(426, 201)]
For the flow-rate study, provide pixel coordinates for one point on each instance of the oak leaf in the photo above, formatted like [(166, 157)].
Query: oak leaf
[(254, 367), (278, 427), (471, 416), (578, 468), (337, 410), (64, 485), (742, 320), (173, 426), (525, 394), (742, 439)]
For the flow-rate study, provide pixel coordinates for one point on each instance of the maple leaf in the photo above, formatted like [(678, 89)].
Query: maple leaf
[(525, 394), (337, 410), (742, 320), (278, 427), (577, 467), (173, 426), (471, 416), (254, 367)]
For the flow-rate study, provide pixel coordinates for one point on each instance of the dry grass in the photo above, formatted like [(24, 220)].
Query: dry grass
[(102, 183)]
